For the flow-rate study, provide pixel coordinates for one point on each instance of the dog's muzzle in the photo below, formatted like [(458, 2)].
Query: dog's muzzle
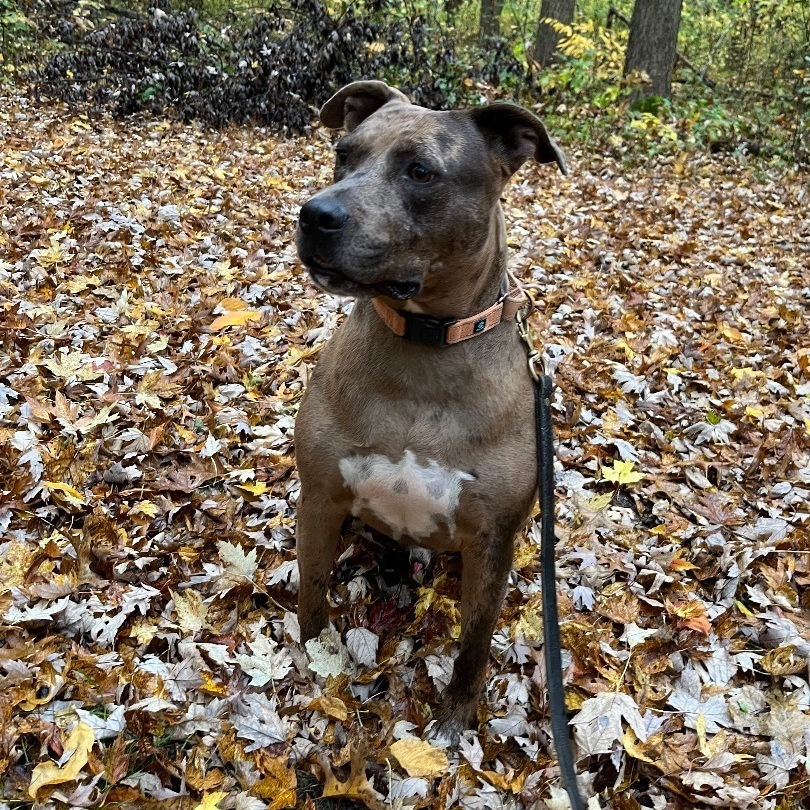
[(320, 226)]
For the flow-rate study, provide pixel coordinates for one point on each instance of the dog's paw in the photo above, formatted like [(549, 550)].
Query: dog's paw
[(444, 735), (450, 722)]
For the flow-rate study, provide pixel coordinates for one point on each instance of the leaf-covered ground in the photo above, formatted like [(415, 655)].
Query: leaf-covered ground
[(157, 332)]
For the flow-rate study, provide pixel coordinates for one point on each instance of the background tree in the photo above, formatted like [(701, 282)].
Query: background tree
[(653, 44), (545, 43), (490, 20), (451, 8)]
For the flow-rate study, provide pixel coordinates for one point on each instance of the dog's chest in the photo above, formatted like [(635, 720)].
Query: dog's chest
[(412, 500)]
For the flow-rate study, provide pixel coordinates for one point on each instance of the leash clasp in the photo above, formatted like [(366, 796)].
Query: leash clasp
[(533, 357)]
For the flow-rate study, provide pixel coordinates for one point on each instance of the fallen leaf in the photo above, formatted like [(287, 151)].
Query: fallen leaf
[(65, 494), (211, 800), (76, 750), (622, 473), (236, 318), (362, 646), (327, 655), (420, 758)]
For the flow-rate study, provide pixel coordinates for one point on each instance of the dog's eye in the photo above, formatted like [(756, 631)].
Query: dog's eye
[(419, 173)]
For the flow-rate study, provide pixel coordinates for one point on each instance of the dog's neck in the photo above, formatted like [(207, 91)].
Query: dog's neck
[(469, 284)]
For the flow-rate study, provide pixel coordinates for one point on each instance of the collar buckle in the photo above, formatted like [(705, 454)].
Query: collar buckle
[(426, 329)]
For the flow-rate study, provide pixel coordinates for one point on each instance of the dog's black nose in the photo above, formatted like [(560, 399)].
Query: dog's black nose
[(322, 214)]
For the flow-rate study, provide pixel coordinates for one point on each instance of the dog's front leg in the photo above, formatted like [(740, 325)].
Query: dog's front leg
[(317, 532), (485, 572)]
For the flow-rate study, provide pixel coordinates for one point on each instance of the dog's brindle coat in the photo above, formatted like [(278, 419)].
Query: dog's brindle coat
[(432, 446)]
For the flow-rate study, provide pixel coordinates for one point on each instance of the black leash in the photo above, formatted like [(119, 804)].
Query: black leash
[(433, 331), (548, 579)]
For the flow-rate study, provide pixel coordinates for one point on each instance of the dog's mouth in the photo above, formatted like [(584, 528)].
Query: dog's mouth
[(336, 281)]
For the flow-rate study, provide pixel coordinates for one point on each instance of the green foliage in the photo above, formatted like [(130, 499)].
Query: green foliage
[(15, 36), (586, 94), (589, 71)]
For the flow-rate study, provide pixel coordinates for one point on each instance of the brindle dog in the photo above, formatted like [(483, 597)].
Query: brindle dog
[(432, 446)]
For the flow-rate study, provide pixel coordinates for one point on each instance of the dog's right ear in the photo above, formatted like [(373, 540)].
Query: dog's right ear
[(349, 107)]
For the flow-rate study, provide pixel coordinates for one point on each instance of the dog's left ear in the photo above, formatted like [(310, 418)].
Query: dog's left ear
[(516, 135)]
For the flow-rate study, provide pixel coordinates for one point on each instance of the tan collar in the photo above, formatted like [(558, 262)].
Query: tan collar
[(443, 332)]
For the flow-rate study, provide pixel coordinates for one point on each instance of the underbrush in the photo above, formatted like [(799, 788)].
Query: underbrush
[(274, 68)]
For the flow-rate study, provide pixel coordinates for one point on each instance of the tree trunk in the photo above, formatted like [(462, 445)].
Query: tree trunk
[(451, 8), (653, 44), (490, 22), (545, 43)]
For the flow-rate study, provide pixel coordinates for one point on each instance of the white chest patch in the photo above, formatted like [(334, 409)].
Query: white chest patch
[(408, 498)]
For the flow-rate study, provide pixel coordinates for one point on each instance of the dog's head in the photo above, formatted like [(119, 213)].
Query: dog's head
[(415, 191)]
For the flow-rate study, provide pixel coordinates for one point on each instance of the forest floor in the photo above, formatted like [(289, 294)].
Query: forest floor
[(157, 331)]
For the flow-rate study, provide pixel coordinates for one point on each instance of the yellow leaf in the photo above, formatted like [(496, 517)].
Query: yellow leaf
[(188, 553), (237, 318), (622, 473), (279, 780), (231, 304), (600, 502), (505, 781), (745, 373), (47, 684), (700, 729), (259, 488), (730, 332), (144, 508), (65, 493), (530, 623), (427, 596), (211, 800), (419, 758), (743, 609), (18, 559), (440, 605), (143, 632), (277, 182), (692, 614), (628, 352), (77, 747), (639, 750), (525, 554), (211, 687), (679, 564), (295, 355), (331, 706)]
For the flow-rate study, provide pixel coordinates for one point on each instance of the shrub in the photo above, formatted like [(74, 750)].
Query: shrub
[(273, 71)]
